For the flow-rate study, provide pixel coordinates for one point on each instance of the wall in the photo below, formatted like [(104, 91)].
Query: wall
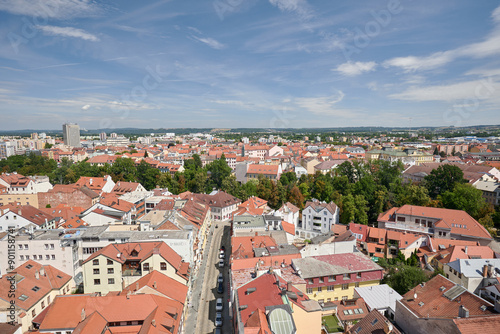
[(104, 287), (76, 198), (25, 199)]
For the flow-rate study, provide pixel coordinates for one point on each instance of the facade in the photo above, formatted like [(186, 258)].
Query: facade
[(17, 184), (69, 195), (473, 274), (7, 149), (272, 172), (119, 265), (408, 156), (71, 135), (222, 205), (491, 191), (379, 297), (317, 218), (36, 286), (334, 277)]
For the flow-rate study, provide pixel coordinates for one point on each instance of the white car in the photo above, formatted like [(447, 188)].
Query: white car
[(221, 263), (222, 255), (219, 305), (220, 279), (218, 319)]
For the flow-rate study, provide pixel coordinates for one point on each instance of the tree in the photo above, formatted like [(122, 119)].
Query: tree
[(48, 146), (412, 194), (219, 170), (346, 169), (465, 197), (443, 179), (405, 279), (296, 197)]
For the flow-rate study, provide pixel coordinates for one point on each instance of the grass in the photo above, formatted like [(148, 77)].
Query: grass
[(332, 325)]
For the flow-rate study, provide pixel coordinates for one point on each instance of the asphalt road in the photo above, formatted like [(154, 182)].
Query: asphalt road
[(206, 310)]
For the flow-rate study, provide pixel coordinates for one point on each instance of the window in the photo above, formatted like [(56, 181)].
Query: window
[(321, 280), (46, 246), (20, 246), (33, 313), (27, 257), (39, 257), (21, 257), (25, 246), (47, 257), (111, 281), (331, 278), (96, 271), (97, 281), (401, 219), (111, 271), (319, 289), (309, 291), (95, 262), (53, 257), (346, 276), (35, 288), (330, 288), (163, 266), (344, 298), (109, 262), (345, 286), (321, 301), (145, 266), (51, 246), (311, 281), (358, 275), (43, 304), (356, 284)]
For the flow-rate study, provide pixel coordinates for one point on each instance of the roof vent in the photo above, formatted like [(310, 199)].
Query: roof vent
[(442, 288), (421, 304), (250, 290)]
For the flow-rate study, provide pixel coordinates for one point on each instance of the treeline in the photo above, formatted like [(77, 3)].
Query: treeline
[(362, 190)]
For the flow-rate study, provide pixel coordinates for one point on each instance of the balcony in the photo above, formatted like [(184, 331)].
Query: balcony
[(409, 228), (131, 272)]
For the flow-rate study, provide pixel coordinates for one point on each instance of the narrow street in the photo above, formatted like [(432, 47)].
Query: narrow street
[(201, 312)]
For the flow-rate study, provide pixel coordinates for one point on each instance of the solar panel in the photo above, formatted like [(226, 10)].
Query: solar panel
[(281, 321), (454, 292)]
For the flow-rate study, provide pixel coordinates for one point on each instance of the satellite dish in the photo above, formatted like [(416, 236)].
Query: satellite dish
[(415, 296)]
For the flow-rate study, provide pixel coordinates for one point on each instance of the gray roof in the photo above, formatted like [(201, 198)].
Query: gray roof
[(379, 296), (248, 222), (474, 267)]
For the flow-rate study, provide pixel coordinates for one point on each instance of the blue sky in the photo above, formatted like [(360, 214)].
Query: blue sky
[(248, 63)]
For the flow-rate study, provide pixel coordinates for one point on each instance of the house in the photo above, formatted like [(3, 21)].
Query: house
[(103, 159), (25, 216), (473, 274), (68, 195), (222, 205), (349, 311), (328, 166), (268, 303), (116, 264), (373, 323), (242, 224), (122, 187), (98, 184), (472, 173), (289, 213), (379, 297), (36, 286), (317, 218), (272, 172), (17, 183), (309, 163), (334, 277), (437, 305), (491, 191), (436, 222), (134, 313), (452, 253), (110, 210)]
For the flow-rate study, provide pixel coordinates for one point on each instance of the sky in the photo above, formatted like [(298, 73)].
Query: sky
[(248, 63)]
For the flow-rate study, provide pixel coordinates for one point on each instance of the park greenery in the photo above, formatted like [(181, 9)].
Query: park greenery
[(362, 190)]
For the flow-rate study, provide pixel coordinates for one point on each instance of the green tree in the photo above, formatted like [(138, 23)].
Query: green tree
[(346, 169), (443, 179), (219, 170), (405, 279), (465, 197)]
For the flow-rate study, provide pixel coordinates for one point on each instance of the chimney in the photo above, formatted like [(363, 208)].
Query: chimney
[(154, 284), (485, 271), (490, 270), (466, 248), (83, 314), (37, 274), (42, 271), (289, 286), (90, 181), (463, 312), (153, 322)]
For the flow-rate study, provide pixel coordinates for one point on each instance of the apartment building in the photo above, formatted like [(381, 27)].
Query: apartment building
[(317, 218)]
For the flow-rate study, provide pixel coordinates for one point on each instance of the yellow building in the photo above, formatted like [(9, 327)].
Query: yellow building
[(334, 277), (119, 265)]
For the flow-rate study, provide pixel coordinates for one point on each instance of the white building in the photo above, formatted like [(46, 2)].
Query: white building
[(317, 218)]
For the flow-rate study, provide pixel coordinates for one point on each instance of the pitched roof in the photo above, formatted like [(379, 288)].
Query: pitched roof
[(243, 247), (263, 169), (122, 187), (34, 215), (288, 228), (441, 298), (373, 323), (318, 206), (29, 285)]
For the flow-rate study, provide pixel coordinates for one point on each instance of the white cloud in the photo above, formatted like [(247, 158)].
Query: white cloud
[(50, 8), (301, 7), (86, 107), (214, 44), (476, 90), (325, 105), (356, 68), (233, 102), (68, 32), (412, 63)]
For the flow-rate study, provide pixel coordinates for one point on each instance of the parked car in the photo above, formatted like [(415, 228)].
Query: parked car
[(218, 319), (222, 255), (221, 263), (223, 248), (219, 305), (220, 287), (220, 279)]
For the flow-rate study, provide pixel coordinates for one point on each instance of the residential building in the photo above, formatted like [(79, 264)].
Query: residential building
[(439, 306), (259, 304), (272, 172), (379, 297), (491, 191), (248, 223), (222, 205), (473, 274), (17, 184), (25, 216), (21, 199), (334, 277), (330, 243), (122, 187), (114, 265), (317, 218), (472, 173), (98, 184), (134, 313), (36, 286), (408, 156), (436, 222), (71, 135), (7, 149), (373, 323)]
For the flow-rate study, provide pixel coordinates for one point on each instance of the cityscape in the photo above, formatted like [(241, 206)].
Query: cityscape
[(249, 167)]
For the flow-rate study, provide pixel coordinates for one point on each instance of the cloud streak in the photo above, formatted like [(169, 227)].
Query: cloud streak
[(356, 68), (68, 32)]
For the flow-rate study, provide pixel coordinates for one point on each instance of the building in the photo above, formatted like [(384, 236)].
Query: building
[(436, 222), (317, 218), (439, 306), (7, 149), (118, 265), (36, 286), (134, 313), (408, 156), (70, 195), (491, 191), (373, 323), (379, 297), (25, 216), (222, 205), (272, 172), (473, 274), (71, 135), (268, 303), (17, 184), (334, 277), (100, 185)]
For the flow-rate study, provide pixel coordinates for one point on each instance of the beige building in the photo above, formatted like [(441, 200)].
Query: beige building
[(119, 265)]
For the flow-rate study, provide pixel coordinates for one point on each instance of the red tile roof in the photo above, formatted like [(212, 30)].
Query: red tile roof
[(165, 285), (263, 169), (242, 247), (289, 228)]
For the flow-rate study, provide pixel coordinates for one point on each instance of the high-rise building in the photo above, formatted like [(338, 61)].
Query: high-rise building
[(102, 136), (71, 135)]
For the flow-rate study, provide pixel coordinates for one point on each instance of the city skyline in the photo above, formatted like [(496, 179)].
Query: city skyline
[(232, 64)]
